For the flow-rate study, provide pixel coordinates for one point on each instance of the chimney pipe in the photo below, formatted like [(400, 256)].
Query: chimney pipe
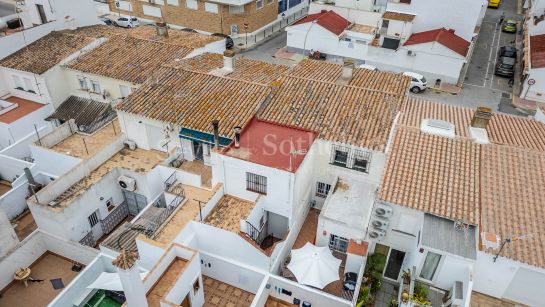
[(29, 177), (228, 60), (237, 136), (347, 71), (162, 29), (215, 126), (481, 117)]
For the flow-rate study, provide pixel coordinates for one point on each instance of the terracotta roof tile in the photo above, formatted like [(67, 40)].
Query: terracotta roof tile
[(537, 51), (126, 58), (433, 174), (330, 20), (244, 69), (358, 113), (192, 100), (175, 37), (398, 16), (45, 53), (443, 36)]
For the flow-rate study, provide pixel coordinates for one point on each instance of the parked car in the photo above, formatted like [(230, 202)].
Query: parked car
[(509, 26), (418, 82), (507, 51), (124, 22), (505, 67), (107, 21), (494, 3), (367, 66)]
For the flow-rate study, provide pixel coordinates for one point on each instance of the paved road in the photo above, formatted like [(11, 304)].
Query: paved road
[(6, 9), (481, 86), (265, 51)]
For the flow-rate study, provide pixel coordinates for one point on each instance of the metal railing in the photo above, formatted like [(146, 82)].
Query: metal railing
[(155, 223), (114, 218), (88, 240), (257, 235), (277, 26), (170, 181)]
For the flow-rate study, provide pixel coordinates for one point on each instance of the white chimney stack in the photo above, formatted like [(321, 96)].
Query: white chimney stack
[(132, 284), (228, 60)]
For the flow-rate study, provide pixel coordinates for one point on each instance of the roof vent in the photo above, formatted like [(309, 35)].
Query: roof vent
[(347, 72), (479, 135), (228, 64), (438, 127), (162, 29), (481, 117), (490, 240)]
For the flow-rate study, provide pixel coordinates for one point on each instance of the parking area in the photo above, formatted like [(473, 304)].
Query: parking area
[(481, 87)]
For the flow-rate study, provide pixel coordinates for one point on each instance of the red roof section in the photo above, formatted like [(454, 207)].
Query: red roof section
[(443, 36), (25, 107), (330, 20), (270, 144), (537, 51)]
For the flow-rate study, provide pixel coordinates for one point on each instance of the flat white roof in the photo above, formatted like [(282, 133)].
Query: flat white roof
[(350, 202)]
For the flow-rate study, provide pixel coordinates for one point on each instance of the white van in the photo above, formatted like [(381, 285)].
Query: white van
[(418, 82)]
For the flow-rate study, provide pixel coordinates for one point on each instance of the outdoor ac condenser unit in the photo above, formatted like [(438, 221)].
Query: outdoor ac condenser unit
[(126, 183)]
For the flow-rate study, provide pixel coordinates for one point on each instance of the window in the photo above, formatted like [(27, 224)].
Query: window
[(385, 23), (95, 87), (196, 286), (17, 82), (173, 2), (211, 7), (124, 90), (337, 243), (430, 266), (361, 161), (256, 183), (93, 219), (83, 84), (236, 9), (322, 189), (259, 4), (110, 205), (192, 4), (340, 157)]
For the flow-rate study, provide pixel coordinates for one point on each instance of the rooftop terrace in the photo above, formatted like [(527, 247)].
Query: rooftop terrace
[(228, 212), (217, 293), (139, 160), (48, 267), (85, 146)]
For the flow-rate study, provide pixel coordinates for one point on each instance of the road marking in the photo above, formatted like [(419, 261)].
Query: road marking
[(490, 57), (481, 86), (495, 56)]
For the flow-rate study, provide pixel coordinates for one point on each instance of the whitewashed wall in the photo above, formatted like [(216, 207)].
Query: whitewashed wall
[(8, 238)]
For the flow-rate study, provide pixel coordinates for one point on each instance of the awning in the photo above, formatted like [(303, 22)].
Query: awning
[(109, 281), (203, 137)]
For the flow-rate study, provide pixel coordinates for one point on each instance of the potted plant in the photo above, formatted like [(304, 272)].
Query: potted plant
[(407, 276)]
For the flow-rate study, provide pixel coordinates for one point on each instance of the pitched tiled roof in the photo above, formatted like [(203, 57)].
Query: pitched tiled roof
[(359, 113), (503, 128), (512, 196), (244, 69), (126, 58), (443, 36), (398, 16), (420, 165), (330, 20), (97, 31), (45, 53), (537, 50), (175, 37), (193, 100), (498, 186)]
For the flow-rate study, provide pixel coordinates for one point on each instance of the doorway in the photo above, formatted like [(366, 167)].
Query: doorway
[(41, 13), (94, 222), (197, 150), (394, 263)]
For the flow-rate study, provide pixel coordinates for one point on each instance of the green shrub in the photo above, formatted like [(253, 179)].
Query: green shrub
[(364, 296), (420, 291)]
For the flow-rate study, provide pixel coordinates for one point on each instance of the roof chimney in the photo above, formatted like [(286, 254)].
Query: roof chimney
[(215, 126), (481, 117), (228, 60), (237, 136), (347, 72), (162, 29)]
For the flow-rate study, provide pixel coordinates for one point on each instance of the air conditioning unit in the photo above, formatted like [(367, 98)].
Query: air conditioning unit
[(380, 224), (126, 183), (377, 234), (383, 211)]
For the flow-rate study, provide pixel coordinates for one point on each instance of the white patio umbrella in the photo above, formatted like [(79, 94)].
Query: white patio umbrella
[(314, 266)]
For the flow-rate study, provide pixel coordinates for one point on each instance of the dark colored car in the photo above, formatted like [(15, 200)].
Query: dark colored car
[(507, 51), (505, 67), (228, 40)]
